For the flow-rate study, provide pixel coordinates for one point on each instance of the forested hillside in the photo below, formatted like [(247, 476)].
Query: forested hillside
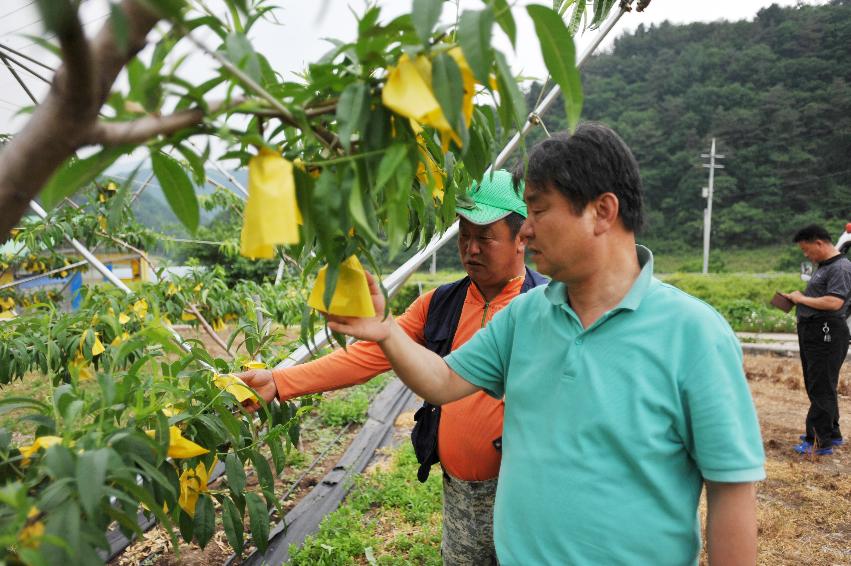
[(775, 92)]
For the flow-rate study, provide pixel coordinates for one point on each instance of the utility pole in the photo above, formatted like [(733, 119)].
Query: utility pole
[(707, 194)]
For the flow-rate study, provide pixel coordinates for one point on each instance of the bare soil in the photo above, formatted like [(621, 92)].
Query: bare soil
[(804, 505)]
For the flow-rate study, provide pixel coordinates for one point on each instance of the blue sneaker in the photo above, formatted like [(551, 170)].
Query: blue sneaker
[(834, 442), (807, 448)]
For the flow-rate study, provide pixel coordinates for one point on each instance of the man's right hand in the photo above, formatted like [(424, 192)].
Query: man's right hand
[(375, 329), (261, 381)]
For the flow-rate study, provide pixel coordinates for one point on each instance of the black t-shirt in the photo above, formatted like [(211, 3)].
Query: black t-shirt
[(833, 277)]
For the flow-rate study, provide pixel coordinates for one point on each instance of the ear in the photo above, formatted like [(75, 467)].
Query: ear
[(606, 208), (520, 243)]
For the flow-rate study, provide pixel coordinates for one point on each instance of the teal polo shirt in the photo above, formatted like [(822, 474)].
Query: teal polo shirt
[(610, 431)]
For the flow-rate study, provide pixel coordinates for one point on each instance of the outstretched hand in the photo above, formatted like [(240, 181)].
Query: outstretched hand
[(261, 381), (374, 329)]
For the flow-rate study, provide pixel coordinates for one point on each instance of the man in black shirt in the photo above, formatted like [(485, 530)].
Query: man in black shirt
[(823, 337)]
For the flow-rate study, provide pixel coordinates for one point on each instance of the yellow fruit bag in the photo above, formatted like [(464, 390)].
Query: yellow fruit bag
[(351, 296), (271, 212)]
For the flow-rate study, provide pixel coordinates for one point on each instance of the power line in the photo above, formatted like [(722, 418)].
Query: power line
[(18, 78), (27, 57), (8, 58), (12, 106), (19, 28), (53, 35), (17, 9)]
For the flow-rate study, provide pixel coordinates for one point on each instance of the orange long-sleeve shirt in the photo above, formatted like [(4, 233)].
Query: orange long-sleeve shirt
[(468, 426)]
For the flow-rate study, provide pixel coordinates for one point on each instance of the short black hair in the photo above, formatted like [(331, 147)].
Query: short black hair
[(582, 166), (812, 233), (514, 221)]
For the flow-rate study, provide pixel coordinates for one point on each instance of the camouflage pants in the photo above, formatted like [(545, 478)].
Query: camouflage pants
[(468, 522)]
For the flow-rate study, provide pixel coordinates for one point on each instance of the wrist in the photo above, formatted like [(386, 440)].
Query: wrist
[(391, 327), (276, 375)]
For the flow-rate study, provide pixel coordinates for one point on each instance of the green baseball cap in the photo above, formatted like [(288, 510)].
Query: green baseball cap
[(492, 199)]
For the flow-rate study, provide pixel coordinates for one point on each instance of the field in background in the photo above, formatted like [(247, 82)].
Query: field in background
[(742, 298)]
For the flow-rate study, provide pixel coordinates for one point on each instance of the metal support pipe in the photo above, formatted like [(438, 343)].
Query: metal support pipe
[(109, 275), (84, 251), (393, 282), (42, 275)]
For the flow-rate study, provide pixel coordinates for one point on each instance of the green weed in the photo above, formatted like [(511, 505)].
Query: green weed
[(389, 516)]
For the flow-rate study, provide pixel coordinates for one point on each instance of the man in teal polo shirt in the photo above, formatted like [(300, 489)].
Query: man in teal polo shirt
[(623, 395)]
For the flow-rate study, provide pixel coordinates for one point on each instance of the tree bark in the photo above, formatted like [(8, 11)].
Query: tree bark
[(63, 121)]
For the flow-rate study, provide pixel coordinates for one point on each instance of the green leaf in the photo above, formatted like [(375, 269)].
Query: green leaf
[(232, 521), (474, 36), (177, 188), (186, 525), (241, 53), (236, 473), (601, 11), (58, 16), (504, 18), (264, 475), (172, 9), (64, 524), (476, 155), (259, 517), (120, 27), (205, 520), (15, 403), (276, 449), (352, 111), (196, 162), (332, 274), (393, 158), (425, 14), (76, 173), (59, 462), (91, 474), (448, 87), (117, 203), (360, 207), (560, 57), (512, 102), (576, 18)]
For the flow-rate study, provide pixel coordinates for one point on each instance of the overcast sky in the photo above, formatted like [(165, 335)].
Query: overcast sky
[(298, 40)]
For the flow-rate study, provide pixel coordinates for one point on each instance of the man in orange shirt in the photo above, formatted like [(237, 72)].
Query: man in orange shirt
[(469, 430)]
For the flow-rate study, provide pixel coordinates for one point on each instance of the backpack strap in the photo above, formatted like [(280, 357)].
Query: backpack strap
[(444, 313)]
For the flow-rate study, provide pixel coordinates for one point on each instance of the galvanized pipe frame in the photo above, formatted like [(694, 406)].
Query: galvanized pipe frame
[(43, 275), (394, 282)]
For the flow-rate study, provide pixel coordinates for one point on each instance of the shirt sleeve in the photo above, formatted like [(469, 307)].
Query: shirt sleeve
[(359, 363), (483, 360), (721, 430), (839, 283)]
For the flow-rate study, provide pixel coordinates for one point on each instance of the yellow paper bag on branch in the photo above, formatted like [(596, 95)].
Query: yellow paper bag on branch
[(351, 296), (271, 212), (409, 92)]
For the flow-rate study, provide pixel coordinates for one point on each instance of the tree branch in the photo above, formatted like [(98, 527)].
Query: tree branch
[(208, 329), (74, 80), (108, 58), (65, 117), (143, 129)]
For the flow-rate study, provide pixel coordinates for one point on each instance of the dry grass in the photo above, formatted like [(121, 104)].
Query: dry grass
[(787, 371), (804, 514), (804, 505)]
